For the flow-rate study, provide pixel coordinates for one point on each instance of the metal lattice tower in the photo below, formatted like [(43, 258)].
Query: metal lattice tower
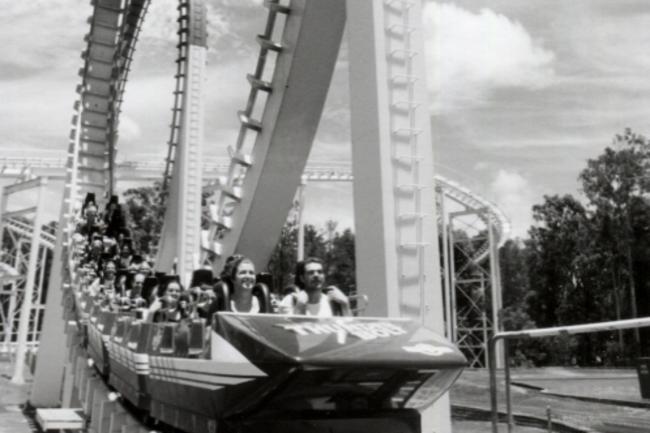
[(26, 250), (474, 288)]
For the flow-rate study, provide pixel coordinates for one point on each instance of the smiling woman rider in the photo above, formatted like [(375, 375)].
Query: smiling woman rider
[(242, 277)]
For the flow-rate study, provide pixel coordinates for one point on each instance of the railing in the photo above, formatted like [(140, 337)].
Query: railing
[(541, 333)]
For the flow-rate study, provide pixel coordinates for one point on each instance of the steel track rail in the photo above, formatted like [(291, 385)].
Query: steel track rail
[(449, 188), (179, 94), (179, 243), (129, 33), (111, 40), (273, 145), (228, 189), (494, 217), (317, 171), (114, 30), (125, 36), (26, 230)]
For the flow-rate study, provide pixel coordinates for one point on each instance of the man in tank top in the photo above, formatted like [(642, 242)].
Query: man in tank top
[(312, 298)]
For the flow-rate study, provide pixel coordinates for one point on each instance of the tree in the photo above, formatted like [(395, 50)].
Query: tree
[(513, 257), (342, 264), (145, 215), (554, 245), (334, 248), (586, 262), (614, 183)]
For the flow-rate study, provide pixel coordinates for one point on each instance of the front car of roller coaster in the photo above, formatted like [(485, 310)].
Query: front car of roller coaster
[(242, 371)]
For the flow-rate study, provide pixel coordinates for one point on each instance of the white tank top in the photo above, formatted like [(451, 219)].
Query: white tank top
[(255, 306), (321, 309)]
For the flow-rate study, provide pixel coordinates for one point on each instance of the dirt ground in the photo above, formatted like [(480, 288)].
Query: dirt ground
[(472, 390), (12, 397)]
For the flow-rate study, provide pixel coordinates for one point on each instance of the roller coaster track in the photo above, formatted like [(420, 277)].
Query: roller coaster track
[(182, 65), (181, 190), (267, 161), (492, 215), (213, 168), (25, 230), (111, 41), (271, 151), (114, 29)]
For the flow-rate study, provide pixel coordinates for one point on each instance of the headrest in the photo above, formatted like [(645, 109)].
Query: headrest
[(148, 286), (107, 257), (160, 277), (136, 259), (201, 276), (266, 278), (90, 198), (167, 279)]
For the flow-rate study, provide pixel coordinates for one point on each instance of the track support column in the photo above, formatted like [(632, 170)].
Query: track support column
[(392, 154), (180, 237)]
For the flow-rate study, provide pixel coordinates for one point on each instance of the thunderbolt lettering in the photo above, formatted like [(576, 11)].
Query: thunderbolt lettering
[(364, 331)]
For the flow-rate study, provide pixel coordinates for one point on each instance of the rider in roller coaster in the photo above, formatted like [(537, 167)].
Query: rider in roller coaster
[(120, 279), (310, 297)]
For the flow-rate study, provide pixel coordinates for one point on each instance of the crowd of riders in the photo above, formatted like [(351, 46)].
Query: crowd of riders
[(108, 268)]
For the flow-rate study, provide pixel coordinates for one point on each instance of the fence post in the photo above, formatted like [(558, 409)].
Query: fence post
[(493, 384)]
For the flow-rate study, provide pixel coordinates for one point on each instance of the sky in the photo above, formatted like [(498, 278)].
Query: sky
[(521, 93)]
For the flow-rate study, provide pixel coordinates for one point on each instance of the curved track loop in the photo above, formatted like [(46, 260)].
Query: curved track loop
[(179, 243), (229, 188), (249, 215), (111, 41), (179, 93), (492, 216), (107, 58)]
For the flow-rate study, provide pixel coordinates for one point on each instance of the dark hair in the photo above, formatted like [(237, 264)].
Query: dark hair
[(230, 267), (106, 262), (169, 280), (235, 266), (300, 269), (231, 261), (88, 200)]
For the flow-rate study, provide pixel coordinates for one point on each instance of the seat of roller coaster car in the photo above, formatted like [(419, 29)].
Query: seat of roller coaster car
[(223, 290), (262, 293), (202, 276)]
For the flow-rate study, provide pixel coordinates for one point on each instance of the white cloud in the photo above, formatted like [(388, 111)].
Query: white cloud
[(471, 54), (481, 165), (514, 196)]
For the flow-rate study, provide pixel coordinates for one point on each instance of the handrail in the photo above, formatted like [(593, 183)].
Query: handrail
[(584, 328)]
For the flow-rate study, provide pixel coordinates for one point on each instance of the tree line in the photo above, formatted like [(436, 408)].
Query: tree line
[(587, 259)]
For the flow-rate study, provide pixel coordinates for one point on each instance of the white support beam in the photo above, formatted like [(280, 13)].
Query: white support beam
[(311, 40), (26, 307), (13, 298), (180, 237), (22, 186), (19, 212), (397, 253)]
